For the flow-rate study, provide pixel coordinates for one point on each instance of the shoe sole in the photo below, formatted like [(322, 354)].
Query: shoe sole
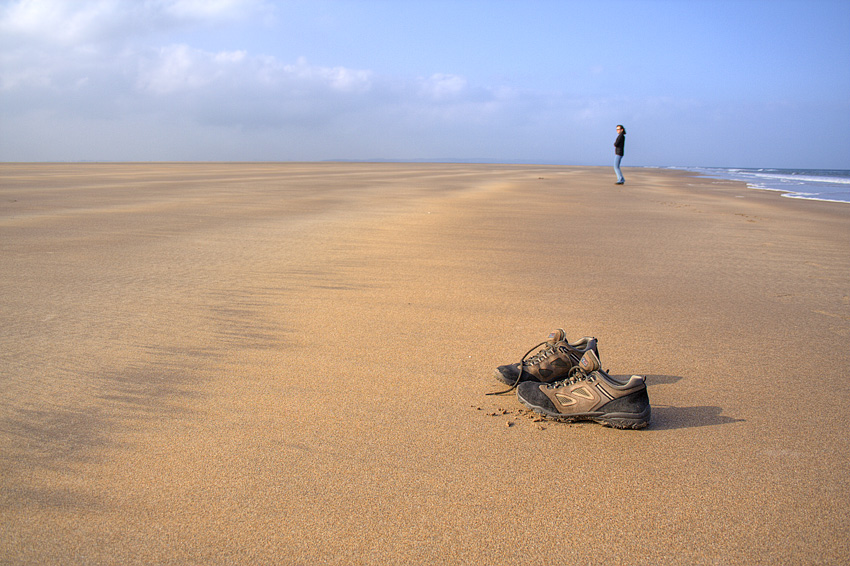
[(615, 420)]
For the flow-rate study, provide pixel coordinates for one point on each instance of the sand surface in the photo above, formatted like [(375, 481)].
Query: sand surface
[(287, 364)]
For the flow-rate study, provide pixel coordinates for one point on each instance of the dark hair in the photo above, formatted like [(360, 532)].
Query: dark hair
[(621, 126)]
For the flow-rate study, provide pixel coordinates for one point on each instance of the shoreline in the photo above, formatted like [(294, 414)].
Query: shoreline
[(288, 362), (808, 181)]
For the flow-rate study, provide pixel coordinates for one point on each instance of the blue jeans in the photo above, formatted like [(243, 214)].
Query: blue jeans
[(617, 159)]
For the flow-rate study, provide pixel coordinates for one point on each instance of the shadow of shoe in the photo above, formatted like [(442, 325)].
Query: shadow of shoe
[(668, 418), (661, 379)]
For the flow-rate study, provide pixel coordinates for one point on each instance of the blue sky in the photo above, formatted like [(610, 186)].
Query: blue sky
[(736, 83)]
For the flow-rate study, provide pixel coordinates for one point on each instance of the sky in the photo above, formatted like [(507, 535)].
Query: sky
[(712, 83)]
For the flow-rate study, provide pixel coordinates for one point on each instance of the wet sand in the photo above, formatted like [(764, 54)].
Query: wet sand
[(287, 364)]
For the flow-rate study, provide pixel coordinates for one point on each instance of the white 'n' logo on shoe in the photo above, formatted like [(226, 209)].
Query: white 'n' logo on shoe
[(581, 392)]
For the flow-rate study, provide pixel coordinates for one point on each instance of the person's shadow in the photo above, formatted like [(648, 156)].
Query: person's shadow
[(667, 417)]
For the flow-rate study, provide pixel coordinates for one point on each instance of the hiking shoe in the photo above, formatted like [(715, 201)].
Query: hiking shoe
[(552, 363), (590, 394)]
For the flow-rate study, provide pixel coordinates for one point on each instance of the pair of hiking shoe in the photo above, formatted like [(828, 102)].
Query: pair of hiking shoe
[(564, 381)]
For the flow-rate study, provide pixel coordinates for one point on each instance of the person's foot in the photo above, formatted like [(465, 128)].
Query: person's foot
[(590, 394), (620, 183)]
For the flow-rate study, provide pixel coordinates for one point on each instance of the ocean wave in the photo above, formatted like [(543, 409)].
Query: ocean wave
[(807, 184), (806, 178)]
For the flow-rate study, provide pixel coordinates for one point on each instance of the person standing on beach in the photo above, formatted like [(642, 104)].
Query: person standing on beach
[(619, 145)]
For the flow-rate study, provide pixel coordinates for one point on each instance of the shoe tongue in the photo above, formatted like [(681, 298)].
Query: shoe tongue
[(557, 336), (589, 362)]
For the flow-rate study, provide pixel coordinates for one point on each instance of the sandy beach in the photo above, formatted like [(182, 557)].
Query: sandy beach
[(287, 363)]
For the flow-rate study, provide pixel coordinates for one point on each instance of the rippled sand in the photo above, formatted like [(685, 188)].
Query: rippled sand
[(287, 364)]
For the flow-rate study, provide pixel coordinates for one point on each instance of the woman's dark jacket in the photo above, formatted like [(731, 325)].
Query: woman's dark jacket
[(619, 144)]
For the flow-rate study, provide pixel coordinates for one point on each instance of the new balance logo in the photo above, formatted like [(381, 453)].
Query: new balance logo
[(578, 393)]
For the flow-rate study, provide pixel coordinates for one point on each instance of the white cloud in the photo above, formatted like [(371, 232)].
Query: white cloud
[(53, 21), (89, 22), (75, 85), (180, 68), (336, 78), (237, 84), (210, 10), (441, 86)]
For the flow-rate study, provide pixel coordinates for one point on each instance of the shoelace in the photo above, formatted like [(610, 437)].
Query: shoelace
[(539, 356), (535, 359), (575, 375)]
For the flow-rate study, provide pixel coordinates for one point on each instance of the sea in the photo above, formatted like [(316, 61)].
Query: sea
[(813, 184)]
